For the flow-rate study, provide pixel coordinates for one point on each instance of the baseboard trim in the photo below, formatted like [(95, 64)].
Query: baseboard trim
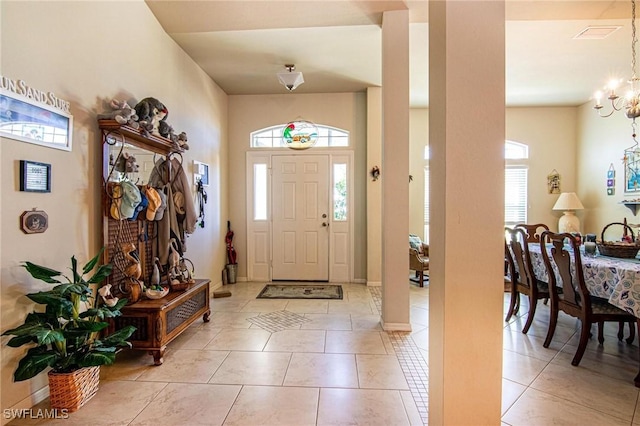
[(374, 283), (395, 326), (28, 402), (359, 281)]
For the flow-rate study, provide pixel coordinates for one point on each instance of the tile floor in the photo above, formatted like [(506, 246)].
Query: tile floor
[(317, 362)]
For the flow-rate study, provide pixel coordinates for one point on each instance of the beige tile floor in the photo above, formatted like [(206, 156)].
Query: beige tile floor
[(263, 362)]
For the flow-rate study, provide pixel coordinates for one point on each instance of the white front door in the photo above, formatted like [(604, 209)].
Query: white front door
[(300, 204)]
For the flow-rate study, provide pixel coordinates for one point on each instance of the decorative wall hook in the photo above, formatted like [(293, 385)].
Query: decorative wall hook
[(375, 173)]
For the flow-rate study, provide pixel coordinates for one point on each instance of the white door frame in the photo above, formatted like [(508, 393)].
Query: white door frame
[(259, 232)]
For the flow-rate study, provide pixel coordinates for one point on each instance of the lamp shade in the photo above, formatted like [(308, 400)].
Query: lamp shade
[(568, 201)]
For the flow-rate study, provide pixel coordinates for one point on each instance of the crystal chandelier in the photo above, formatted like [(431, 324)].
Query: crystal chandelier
[(631, 102)]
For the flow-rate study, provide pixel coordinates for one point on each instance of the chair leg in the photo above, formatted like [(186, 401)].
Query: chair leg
[(533, 303), (515, 296), (620, 330), (632, 332), (584, 339), (421, 278), (553, 320), (601, 332)]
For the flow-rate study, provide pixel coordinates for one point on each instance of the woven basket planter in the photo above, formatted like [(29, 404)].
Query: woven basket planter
[(72, 390)]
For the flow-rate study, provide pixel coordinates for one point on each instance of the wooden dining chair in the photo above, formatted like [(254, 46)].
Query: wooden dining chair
[(575, 299), (523, 280), (533, 231), (509, 277)]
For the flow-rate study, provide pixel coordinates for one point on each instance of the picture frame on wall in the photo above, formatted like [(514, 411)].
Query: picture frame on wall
[(27, 120), (631, 170), (201, 172), (35, 176)]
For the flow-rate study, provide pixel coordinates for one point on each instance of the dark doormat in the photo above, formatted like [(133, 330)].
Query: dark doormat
[(311, 291)]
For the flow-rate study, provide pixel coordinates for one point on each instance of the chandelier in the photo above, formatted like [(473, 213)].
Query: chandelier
[(631, 102)]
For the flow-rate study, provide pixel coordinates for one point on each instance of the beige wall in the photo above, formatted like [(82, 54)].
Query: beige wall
[(248, 113), (602, 142), (86, 52), (550, 133)]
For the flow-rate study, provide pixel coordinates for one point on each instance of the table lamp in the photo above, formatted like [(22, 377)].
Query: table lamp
[(569, 202)]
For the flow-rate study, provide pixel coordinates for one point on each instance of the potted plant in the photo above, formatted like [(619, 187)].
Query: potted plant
[(67, 334)]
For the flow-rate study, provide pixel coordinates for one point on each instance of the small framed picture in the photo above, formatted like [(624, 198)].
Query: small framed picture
[(34, 222), (611, 183), (201, 172), (611, 174), (35, 177), (611, 191)]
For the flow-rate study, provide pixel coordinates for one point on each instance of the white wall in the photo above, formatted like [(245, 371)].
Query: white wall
[(248, 113), (86, 52)]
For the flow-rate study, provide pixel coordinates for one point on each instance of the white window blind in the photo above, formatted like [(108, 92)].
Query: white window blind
[(515, 195)]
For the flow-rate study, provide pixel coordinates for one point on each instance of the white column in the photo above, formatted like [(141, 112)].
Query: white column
[(374, 188), (395, 170), (466, 136)]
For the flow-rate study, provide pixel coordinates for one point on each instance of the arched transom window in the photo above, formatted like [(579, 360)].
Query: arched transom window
[(271, 137)]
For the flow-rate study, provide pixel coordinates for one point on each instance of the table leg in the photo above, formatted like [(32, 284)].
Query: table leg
[(206, 315), (637, 379), (158, 356)]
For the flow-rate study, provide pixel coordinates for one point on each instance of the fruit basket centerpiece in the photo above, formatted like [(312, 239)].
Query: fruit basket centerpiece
[(619, 249)]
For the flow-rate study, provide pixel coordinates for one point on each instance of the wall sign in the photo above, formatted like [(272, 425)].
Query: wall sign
[(35, 177), (34, 116)]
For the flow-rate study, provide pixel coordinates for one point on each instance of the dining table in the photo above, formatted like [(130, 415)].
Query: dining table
[(614, 279)]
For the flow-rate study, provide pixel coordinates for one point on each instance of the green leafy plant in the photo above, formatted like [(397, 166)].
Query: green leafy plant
[(67, 337)]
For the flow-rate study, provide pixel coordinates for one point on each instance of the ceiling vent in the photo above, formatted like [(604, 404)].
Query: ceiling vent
[(597, 32)]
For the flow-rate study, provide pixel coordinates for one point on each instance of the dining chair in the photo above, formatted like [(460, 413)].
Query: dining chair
[(533, 231), (509, 275), (523, 279), (575, 299)]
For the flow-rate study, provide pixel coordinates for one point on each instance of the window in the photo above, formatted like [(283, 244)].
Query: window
[(340, 192), (259, 192), (271, 137), (515, 186), (515, 183)]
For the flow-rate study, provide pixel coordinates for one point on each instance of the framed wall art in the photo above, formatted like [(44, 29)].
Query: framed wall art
[(27, 120), (553, 182), (34, 221), (632, 170), (34, 176), (201, 172)]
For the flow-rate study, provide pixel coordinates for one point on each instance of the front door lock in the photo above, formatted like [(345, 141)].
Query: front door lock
[(324, 216)]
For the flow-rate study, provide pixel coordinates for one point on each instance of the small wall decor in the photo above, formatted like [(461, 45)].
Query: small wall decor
[(375, 173), (34, 221), (631, 170), (200, 173), (34, 176), (553, 182), (31, 115), (611, 180), (300, 134)]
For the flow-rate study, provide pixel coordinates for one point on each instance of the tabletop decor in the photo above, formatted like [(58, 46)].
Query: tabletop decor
[(620, 249), (67, 334)]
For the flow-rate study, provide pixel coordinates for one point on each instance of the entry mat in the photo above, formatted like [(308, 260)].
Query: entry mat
[(310, 291)]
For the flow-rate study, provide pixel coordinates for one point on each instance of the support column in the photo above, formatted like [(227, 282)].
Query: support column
[(395, 170), (374, 188), (466, 136)]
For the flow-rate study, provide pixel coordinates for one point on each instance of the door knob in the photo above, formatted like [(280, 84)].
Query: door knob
[(324, 216), (325, 224)]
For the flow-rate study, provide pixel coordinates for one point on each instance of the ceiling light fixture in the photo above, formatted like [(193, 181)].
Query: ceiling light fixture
[(631, 102), (290, 79)]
